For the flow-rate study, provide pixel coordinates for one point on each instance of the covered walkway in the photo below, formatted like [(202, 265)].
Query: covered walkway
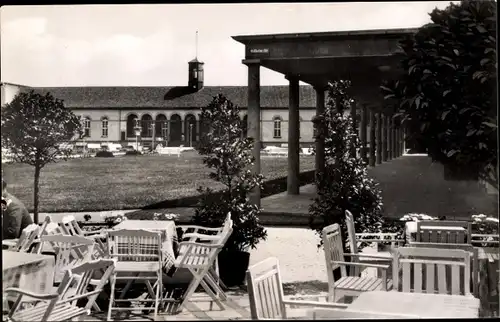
[(363, 57)]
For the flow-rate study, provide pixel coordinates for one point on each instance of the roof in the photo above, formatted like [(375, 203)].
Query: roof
[(326, 35), (171, 97)]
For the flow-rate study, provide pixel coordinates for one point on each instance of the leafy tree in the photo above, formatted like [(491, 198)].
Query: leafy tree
[(447, 93), (345, 184), (35, 128), (229, 155)]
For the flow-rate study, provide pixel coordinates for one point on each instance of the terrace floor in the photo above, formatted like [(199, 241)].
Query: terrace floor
[(409, 184), (237, 307)]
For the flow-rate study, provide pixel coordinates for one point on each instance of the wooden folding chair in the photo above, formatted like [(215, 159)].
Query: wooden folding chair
[(347, 314), (434, 270), (454, 232), (198, 258), (355, 240), (348, 285), (60, 306), (214, 236), (70, 226), (139, 257), (25, 241), (265, 292)]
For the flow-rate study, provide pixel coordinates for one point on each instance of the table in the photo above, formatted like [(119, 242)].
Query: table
[(30, 272), (167, 230), (420, 304), (411, 230)]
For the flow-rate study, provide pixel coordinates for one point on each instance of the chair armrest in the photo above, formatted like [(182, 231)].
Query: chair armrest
[(316, 304), (199, 244), (201, 236), (382, 266), (9, 242), (184, 228), (369, 256), (31, 294)]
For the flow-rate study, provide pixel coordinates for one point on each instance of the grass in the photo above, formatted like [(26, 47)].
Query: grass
[(132, 182)]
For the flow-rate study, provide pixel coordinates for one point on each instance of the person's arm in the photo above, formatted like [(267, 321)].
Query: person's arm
[(12, 220)]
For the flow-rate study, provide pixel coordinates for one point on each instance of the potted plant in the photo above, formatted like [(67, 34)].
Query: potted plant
[(229, 155)]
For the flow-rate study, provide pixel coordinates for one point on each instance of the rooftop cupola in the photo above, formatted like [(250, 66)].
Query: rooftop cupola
[(195, 74)]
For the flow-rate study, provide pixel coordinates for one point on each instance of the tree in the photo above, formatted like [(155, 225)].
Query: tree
[(35, 128), (229, 155), (344, 184), (447, 93)]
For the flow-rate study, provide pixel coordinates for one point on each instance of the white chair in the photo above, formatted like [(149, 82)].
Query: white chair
[(355, 240), (348, 285), (265, 292), (199, 258), (347, 314), (139, 257), (70, 226), (25, 241), (70, 251), (440, 231), (434, 270), (59, 306), (213, 237), (474, 256)]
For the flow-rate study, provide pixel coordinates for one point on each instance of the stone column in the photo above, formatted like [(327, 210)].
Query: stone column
[(378, 120), (352, 151), (394, 140), (363, 134), (403, 137), (389, 138), (383, 118), (254, 120), (320, 142), (169, 123), (372, 138), (293, 182), (198, 136)]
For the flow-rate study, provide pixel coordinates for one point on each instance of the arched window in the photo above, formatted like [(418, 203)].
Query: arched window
[(131, 123), (104, 123), (277, 127), (147, 126), (161, 126), (86, 126)]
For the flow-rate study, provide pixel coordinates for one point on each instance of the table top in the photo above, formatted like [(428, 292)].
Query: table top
[(15, 259), (442, 228), (420, 304), (146, 224)]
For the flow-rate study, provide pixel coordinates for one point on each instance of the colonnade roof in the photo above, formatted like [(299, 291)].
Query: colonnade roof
[(361, 56)]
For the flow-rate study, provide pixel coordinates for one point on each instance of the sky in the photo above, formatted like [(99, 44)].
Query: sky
[(150, 45)]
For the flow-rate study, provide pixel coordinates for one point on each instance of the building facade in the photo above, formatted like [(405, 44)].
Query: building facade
[(171, 115)]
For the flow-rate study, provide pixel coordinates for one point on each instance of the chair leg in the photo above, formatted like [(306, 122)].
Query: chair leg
[(111, 295), (212, 294), (191, 288)]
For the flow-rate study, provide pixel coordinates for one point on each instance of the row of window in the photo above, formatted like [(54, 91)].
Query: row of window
[(148, 130)]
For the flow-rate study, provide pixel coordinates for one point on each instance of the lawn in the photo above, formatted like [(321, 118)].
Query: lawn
[(129, 182)]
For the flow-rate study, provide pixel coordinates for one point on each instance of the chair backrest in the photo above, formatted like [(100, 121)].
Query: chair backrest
[(265, 290), (334, 251), (474, 253), (454, 232), (434, 270), (334, 314), (351, 231), (137, 245), (28, 236), (70, 252), (82, 275), (70, 226)]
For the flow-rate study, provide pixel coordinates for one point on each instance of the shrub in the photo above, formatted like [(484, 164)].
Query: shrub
[(344, 184), (104, 154), (133, 152), (229, 155)]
